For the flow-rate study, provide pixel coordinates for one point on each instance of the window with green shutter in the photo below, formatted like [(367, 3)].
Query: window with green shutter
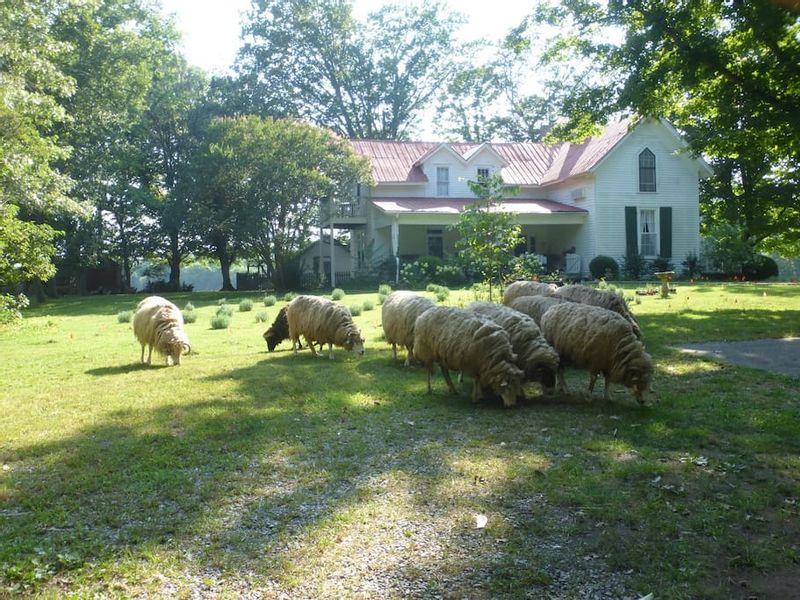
[(631, 231), (665, 231)]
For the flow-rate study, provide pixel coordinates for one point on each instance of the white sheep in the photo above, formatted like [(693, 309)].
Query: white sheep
[(322, 321), (601, 341), (158, 323), (463, 341), (398, 314), (535, 306), (535, 357), (527, 288), (608, 300)]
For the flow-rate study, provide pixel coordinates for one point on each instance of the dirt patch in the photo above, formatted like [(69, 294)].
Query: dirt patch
[(782, 584), (779, 356)]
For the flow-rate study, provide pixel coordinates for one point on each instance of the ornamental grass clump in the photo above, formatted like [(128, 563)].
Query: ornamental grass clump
[(189, 316), (220, 321), (289, 296), (261, 316), (225, 309), (368, 305), (124, 316), (245, 305), (337, 294), (270, 300), (384, 289), (355, 309), (381, 298)]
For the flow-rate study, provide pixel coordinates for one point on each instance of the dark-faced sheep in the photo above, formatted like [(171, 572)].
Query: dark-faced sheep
[(463, 341), (535, 357), (398, 315), (158, 323), (608, 300), (601, 341), (535, 306), (322, 321), (278, 331), (527, 288)]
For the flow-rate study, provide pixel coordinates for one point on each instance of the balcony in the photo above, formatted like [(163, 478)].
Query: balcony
[(344, 214)]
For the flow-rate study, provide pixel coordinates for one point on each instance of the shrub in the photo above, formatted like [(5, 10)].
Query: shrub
[(384, 289), (480, 291), (270, 300), (220, 321), (431, 287), (189, 316), (337, 294), (420, 272), (524, 266), (261, 316), (442, 293), (661, 264), (368, 305), (451, 274), (634, 265), (246, 305), (381, 298), (726, 249), (225, 309), (124, 316), (222, 301), (355, 309), (691, 265), (760, 267), (289, 296), (11, 307), (189, 306), (604, 267)]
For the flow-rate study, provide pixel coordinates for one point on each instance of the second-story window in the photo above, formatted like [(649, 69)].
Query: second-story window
[(483, 172), (647, 171), (442, 181)]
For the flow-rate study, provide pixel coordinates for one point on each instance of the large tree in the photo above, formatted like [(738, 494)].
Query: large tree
[(259, 183), (314, 60), (726, 73)]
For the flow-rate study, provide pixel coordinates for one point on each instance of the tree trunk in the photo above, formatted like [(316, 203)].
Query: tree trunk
[(174, 263), (225, 265)]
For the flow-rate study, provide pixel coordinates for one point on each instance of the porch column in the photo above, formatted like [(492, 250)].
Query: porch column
[(321, 272), (333, 260), (395, 246)]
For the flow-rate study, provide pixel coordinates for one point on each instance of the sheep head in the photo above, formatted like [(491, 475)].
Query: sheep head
[(272, 338), (639, 377), (354, 342)]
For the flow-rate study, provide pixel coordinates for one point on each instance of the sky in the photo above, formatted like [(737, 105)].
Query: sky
[(211, 28)]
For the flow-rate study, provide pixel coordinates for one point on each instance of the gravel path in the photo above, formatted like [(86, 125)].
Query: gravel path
[(779, 356)]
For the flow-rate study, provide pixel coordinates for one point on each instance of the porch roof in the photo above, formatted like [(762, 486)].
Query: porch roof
[(453, 206)]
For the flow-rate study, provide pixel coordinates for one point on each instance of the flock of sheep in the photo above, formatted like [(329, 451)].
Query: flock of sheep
[(537, 331)]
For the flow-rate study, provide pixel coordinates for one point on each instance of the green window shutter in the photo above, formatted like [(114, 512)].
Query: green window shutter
[(665, 231), (631, 233)]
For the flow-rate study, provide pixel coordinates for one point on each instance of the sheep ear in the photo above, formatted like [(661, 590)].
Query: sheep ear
[(187, 348)]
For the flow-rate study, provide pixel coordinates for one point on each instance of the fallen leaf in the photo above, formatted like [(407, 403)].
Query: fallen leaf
[(480, 521)]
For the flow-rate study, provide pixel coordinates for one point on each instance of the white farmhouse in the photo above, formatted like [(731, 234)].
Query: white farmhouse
[(635, 186)]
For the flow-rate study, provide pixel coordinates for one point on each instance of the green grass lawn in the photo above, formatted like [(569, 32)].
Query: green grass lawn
[(248, 473)]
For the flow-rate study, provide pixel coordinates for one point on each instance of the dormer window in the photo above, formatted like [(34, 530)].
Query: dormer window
[(647, 171), (442, 181), (483, 172)]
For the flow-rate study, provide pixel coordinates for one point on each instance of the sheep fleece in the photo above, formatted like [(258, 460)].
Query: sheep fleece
[(595, 338), (398, 314), (462, 341), (320, 320), (527, 288), (532, 350), (608, 300), (535, 306), (158, 323)]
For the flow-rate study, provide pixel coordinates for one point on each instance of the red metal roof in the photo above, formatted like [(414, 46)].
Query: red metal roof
[(456, 205), (528, 163)]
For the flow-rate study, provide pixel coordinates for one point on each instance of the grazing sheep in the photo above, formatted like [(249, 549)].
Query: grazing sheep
[(527, 288), (535, 357), (463, 341), (322, 321), (158, 323), (398, 314), (600, 340), (278, 331), (535, 306), (608, 300)]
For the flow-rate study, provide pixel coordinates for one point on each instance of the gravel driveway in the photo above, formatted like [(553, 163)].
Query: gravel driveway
[(780, 356)]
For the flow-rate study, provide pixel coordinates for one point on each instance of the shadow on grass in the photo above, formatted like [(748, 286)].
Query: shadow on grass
[(264, 479), (121, 369)]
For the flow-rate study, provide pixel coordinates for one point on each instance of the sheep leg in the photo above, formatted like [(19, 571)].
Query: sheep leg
[(310, 344), (592, 381), (477, 392), (446, 375), (429, 368), (295, 343), (150, 355), (561, 382), (606, 396), (330, 350), (141, 360)]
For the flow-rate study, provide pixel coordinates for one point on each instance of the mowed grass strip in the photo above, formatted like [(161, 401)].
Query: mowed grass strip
[(245, 472)]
